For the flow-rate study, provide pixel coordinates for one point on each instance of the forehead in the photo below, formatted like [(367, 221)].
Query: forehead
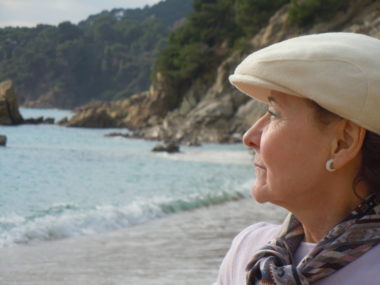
[(293, 105), (277, 97)]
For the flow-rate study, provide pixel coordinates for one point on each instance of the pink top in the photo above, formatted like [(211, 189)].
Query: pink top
[(363, 271)]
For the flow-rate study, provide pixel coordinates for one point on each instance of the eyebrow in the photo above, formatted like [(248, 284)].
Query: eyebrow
[(272, 99)]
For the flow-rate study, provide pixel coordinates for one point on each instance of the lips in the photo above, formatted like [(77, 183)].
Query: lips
[(259, 165)]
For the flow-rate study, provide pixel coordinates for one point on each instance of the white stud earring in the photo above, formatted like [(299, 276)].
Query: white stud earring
[(329, 166)]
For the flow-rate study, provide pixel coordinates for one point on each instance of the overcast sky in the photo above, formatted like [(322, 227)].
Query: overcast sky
[(32, 12)]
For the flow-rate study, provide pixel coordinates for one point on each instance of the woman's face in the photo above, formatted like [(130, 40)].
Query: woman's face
[(291, 152)]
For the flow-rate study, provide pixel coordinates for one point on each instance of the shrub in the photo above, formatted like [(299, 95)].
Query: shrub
[(307, 12)]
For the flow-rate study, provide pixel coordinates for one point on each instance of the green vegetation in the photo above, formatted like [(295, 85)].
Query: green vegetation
[(217, 27), (212, 31), (307, 12), (252, 15), (108, 56), (113, 54)]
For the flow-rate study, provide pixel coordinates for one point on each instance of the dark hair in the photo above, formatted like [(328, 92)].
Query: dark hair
[(323, 117), (370, 168)]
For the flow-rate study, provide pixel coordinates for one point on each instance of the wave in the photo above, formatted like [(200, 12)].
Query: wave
[(62, 221), (211, 156)]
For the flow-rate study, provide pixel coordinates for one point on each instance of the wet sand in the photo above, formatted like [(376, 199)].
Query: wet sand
[(185, 248)]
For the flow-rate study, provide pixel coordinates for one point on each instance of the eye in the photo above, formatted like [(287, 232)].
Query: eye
[(273, 114)]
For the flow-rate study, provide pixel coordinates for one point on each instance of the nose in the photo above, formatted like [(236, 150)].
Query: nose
[(252, 136)]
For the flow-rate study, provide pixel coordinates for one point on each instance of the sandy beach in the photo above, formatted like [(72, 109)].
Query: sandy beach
[(184, 248)]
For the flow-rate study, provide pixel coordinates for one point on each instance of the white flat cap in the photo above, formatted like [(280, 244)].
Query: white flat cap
[(338, 71)]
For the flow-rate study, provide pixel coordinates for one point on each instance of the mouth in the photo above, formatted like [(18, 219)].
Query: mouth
[(258, 165)]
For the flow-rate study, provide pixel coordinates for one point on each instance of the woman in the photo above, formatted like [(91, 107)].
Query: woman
[(317, 154)]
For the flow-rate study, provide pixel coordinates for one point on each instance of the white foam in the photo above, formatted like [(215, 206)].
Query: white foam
[(182, 249), (211, 156), (76, 223), (65, 220)]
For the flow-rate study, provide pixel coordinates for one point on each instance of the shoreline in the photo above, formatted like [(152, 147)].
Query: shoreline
[(185, 248)]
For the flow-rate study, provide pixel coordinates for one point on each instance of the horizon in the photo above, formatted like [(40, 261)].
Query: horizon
[(30, 13)]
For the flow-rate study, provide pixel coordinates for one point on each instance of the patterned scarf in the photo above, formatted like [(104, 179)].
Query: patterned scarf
[(354, 236)]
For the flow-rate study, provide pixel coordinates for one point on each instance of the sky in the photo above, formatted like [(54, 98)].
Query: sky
[(29, 13)]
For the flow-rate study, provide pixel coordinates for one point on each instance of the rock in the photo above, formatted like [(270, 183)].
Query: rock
[(168, 147), (9, 112), (221, 114), (118, 134), (93, 118), (39, 120), (210, 110), (49, 121), (34, 121), (101, 114), (63, 121), (3, 140), (193, 142)]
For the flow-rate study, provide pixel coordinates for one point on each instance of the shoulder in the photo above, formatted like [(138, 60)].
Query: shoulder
[(364, 270), (232, 270), (257, 234), (251, 239)]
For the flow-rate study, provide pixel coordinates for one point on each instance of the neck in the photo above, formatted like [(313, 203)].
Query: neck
[(321, 215), (318, 226)]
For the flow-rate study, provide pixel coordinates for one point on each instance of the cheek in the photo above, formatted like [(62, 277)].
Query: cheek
[(293, 159), (276, 149)]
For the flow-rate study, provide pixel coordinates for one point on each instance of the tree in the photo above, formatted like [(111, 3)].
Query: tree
[(306, 12), (109, 55), (252, 15)]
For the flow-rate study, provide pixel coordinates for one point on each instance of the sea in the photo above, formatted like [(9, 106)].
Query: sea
[(80, 207)]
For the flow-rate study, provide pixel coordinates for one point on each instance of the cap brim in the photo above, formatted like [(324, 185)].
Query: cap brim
[(257, 88)]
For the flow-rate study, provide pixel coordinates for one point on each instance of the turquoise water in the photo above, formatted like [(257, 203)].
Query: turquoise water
[(59, 182)]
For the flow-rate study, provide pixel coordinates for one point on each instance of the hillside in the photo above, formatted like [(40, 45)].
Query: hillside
[(206, 108), (106, 57)]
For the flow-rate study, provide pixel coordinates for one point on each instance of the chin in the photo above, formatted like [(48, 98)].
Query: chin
[(260, 194)]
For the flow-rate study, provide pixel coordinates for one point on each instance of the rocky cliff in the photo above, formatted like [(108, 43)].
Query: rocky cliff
[(9, 113), (210, 110)]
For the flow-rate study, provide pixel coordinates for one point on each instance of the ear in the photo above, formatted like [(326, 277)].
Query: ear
[(348, 142)]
